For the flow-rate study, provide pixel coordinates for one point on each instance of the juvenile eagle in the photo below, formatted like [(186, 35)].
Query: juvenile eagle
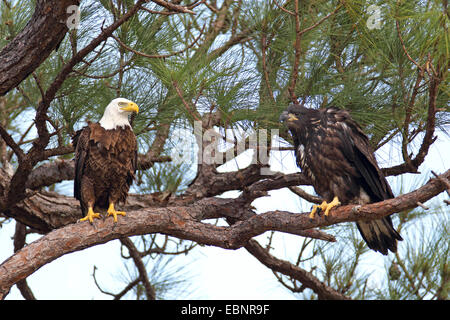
[(333, 151), (105, 160)]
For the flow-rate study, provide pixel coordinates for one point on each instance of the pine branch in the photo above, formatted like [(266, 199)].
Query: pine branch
[(159, 56), (428, 139)]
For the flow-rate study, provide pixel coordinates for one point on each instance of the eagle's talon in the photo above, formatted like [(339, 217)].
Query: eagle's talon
[(112, 212), (331, 205), (91, 215), (314, 210), (324, 206)]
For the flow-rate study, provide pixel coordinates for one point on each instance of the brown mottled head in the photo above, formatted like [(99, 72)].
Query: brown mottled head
[(297, 116)]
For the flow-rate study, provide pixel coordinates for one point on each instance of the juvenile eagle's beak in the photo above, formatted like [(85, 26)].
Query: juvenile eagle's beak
[(286, 116), (283, 116), (131, 107)]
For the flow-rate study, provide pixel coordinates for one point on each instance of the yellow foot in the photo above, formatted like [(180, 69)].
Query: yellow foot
[(324, 206), (91, 215), (114, 213)]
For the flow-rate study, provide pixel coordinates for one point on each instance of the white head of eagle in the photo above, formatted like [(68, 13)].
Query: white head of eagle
[(117, 112)]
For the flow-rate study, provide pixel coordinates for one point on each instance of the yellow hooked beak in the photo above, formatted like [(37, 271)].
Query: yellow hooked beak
[(291, 117), (131, 107)]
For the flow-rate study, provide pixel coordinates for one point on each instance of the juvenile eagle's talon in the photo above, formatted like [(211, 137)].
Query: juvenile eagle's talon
[(314, 210), (324, 206), (91, 215), (331, 205), (112, 212)]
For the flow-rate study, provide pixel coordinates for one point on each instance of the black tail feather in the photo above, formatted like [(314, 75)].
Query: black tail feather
[(379, 235)]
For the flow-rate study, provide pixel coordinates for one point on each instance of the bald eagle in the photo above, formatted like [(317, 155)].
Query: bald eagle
[(105, 160), (333, 151)]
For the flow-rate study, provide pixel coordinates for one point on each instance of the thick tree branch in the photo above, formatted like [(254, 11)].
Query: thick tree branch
[(44, 211), (183, 222), (42, 34)]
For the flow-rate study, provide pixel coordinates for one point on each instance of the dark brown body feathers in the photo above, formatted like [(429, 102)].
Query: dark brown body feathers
[(333, 151), (105, 164)]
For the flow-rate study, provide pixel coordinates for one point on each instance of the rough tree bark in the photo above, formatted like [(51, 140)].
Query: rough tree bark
[(42, 34)]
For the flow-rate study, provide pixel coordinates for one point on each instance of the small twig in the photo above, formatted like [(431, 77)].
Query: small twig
[(143, 276), (112, 74), (420, 204), (38, 83), (159, 56), (11, 143), (297, 55), (404, 47), (173, 7), (195, 113), (118, 295), (97, 53), (264, 66), (446, 182), (166, 13), (321, 20), (8, 5), (408, 114), (284, 9), (308, 197), (211, 7), (306, 278)]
